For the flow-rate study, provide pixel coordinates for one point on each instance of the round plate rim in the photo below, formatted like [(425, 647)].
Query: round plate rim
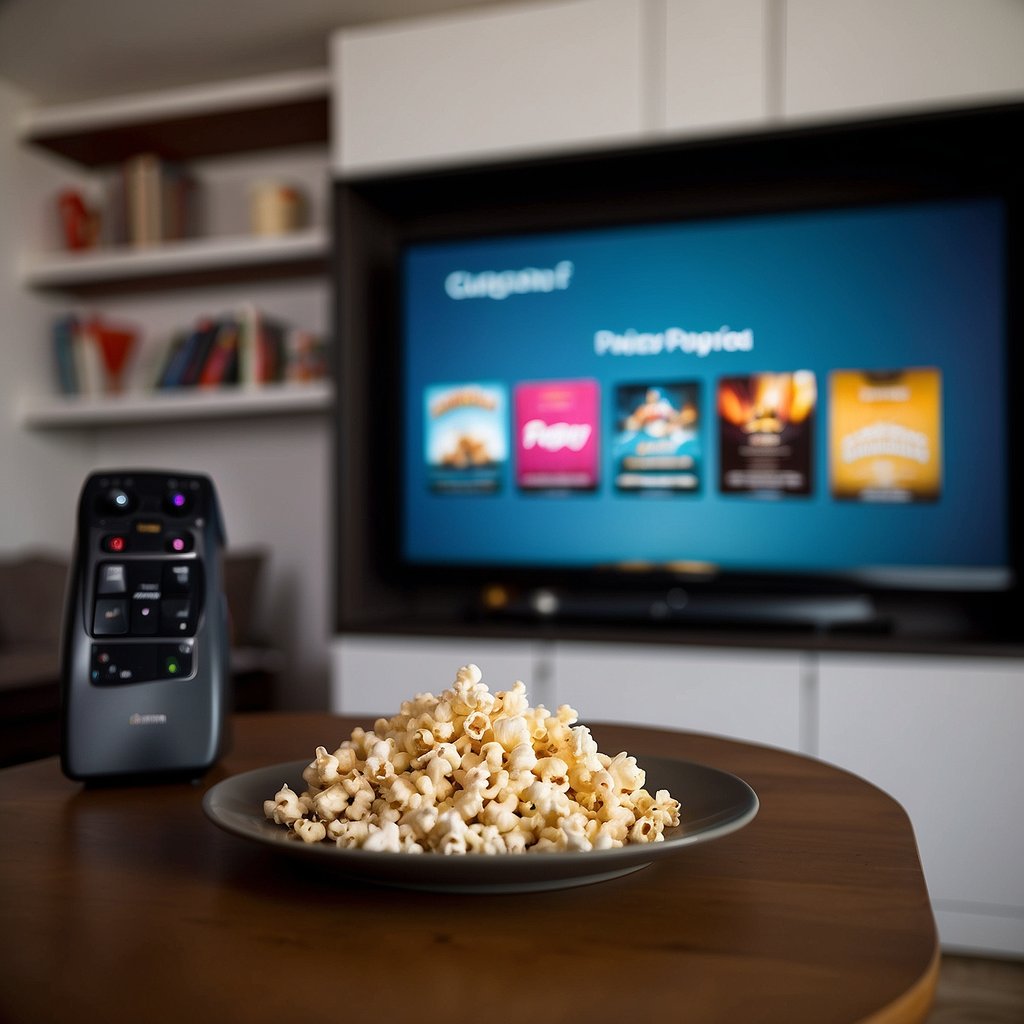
[(474, 872)]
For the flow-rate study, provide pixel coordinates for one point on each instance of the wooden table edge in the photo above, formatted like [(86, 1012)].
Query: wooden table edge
[(913, 1005)]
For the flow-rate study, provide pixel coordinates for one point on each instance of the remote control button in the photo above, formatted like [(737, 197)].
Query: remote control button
[(145, 619), (117, 501), (174, 661), (110, 617), (111, 579), (145, 580), (147, 536), (178, 543), (120, 664), (175, 617), (106, 673), (115, 542), (179, 578), (177, 501)]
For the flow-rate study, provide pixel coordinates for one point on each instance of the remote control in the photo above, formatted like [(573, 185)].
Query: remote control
[(144, 659)]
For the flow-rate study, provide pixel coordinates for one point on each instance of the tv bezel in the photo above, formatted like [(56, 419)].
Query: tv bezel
[(938, 155)]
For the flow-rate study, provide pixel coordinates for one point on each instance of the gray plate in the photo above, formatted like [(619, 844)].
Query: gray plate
[(714, 804)]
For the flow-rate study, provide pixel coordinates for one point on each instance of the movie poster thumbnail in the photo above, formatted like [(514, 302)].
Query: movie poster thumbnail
[(885, 435), (557, 435), (656, 446), (465, 437), (766, 433)]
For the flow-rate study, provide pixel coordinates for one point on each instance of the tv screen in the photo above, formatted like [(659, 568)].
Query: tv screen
[(815, 392), (758, 380)]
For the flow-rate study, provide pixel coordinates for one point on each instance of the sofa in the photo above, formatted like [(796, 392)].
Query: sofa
[(32, 589)]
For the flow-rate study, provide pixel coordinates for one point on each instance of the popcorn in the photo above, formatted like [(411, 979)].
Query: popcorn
[(474, 772), (309, 831), (285, 808)]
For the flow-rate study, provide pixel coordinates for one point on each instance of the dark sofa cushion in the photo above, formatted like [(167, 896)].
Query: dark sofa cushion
[(242, 571), (32, 591), (32, 601), (27, 669)]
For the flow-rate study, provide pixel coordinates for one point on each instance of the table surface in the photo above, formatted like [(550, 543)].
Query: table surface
[(128, 904)]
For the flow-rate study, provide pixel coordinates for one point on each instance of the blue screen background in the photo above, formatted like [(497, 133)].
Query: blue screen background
[(913, 285)]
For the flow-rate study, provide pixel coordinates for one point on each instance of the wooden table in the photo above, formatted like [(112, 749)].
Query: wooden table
[(127, 904)]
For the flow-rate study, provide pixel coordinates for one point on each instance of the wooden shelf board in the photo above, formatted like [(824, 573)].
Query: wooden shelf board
[(172, 259), (270, 112), (54, 412)]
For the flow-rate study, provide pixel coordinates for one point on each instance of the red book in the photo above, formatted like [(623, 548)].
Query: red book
[(223, 357)]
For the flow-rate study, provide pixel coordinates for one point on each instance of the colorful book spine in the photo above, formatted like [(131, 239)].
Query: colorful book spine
[(202, 342), (222, 362), (160, 200), (246, 348), (64, 330)]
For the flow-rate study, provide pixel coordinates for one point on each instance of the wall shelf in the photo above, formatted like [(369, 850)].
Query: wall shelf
[(268, 112), (169, 262), (133, 408)]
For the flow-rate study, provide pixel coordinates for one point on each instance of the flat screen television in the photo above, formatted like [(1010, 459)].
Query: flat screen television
[(757, 379)]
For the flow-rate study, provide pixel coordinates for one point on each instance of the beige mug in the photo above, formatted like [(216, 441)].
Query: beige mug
[(276, 208)]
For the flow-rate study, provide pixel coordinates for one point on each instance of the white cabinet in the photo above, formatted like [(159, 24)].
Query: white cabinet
[(875, 56), (493, 83), (746, 695), (540, 78), (372, 675), (752, 695), (716, 65), (543, 78), (943, 736)]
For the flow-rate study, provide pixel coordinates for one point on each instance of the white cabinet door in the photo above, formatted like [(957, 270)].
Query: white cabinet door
[(372, 675), (874, 55), (747, 695), (943, 736), (716, 54), (489, 83)]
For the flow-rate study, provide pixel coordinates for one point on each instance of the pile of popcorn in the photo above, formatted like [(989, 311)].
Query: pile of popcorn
[(474, 772)]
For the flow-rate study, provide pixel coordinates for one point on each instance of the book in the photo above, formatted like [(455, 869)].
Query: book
[(159, 200), (199, 350), (88, 362), (178, 203), (270, 350), (247, 348), (63, 337), (221, 366), (114, 225), (261, 347), (116, 344), (177, 356), (142, 199), (91, 356), (248, 326)]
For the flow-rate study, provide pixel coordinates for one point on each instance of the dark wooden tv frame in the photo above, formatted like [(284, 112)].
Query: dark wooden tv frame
[(935, 154)]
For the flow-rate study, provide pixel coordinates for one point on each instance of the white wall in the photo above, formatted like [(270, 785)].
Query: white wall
[(39, 475)]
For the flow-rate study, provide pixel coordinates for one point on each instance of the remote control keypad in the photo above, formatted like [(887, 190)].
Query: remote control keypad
[(146, 598)]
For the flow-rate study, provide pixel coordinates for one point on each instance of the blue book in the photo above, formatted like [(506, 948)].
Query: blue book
[(177, 360), (64, 330)]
